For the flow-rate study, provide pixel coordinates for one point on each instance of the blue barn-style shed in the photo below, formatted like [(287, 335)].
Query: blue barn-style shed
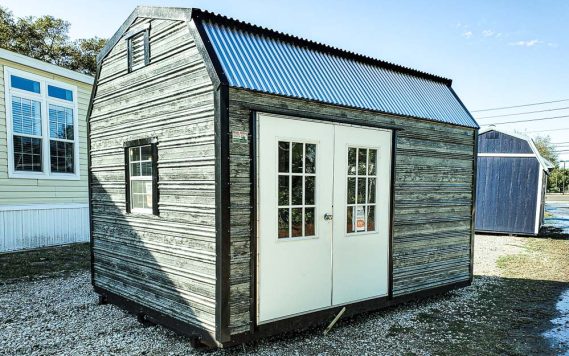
[(511, 183)]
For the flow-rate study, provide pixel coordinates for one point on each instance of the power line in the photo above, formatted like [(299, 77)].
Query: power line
[(529, 120), (523, 113), (561, 129), (520, 106)]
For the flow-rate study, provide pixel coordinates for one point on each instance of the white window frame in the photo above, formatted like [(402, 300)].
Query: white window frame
[(132, 178), (45, 101)]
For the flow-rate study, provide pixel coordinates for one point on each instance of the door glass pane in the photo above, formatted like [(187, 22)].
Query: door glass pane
[(350, 220), (359, 217), (284, 149), (309, 222), (371, 218), (309, 190), (296, 222), (351, 190), (371, 191), (310, 158), (283, 190), (297, 157), (372, 161), (296, 190), (362, 161), (283, 223), (361, 190), (352, 161)]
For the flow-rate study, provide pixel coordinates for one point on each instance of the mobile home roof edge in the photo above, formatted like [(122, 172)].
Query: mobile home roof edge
[(176, 13), (45, 66)]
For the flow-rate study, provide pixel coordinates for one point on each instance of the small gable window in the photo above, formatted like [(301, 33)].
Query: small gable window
[(138, 50)]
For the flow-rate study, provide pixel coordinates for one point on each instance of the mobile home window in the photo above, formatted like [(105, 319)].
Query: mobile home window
[(138, 50), (142, 175), (42, 127)]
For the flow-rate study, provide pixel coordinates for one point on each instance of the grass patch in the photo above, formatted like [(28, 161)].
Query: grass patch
[(545, 259), (44, 262)]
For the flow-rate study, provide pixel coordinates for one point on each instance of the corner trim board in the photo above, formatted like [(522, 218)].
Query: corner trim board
[(222, 213)]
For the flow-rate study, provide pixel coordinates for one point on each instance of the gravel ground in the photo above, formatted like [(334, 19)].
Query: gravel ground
[(488, 248), (60, 315)]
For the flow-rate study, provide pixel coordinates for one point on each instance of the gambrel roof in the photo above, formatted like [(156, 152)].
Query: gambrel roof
[(254, 58), (543, 163)]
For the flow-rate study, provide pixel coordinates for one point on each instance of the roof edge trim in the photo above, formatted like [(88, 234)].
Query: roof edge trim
[(45, 66)]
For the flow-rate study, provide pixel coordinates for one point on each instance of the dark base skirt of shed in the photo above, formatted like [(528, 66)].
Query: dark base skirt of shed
[(505, 233), (199, 338)]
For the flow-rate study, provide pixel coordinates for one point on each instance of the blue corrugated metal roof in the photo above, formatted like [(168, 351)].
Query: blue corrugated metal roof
[(271, 64)]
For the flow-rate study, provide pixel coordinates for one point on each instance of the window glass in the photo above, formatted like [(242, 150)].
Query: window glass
[(31, 129), (25, 84), (61, 122), (59, 93), (140, 180), (361, 190), (296, 189), (61, 157), (26, 116), (27, 154)]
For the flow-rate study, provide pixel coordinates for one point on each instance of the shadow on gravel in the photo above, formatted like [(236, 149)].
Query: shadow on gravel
[(494, 316), (46, 262)]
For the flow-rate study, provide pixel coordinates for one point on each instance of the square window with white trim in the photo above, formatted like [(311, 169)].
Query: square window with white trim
[(142, 178), (41, 126)]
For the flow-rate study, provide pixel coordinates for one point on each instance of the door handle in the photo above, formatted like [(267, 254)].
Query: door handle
[(328, 216)]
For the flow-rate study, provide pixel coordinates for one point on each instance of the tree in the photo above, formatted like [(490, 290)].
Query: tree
[(546, 149), (47, 38)]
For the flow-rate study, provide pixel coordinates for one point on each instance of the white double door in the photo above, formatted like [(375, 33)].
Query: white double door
[(323, 215)]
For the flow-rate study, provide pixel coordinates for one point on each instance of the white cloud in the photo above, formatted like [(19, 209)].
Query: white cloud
[(488, 33), (467, 34), (529, 43), (551, 44)]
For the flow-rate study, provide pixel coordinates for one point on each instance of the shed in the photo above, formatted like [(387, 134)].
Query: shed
[(43, 154), (245, 182), (511, 183)]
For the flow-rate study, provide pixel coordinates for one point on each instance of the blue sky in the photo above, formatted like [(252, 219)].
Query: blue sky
[(498, 53)]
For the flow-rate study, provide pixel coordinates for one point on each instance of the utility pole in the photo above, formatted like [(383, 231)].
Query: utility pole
[(563, 176)]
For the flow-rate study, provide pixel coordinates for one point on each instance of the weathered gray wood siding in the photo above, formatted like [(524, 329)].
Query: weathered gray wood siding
[(433, 199), (164, 262)]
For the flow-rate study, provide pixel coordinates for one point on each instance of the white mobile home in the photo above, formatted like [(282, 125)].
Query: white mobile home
[(43, 153)]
